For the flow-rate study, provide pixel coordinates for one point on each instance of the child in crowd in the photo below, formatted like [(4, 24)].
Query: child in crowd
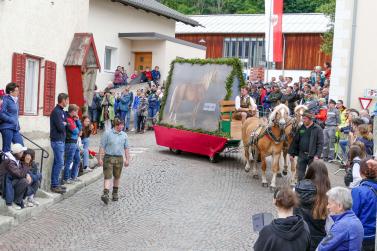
[(366, 137), (352, 177), (87, 128), (135, 106), (28, 160), (142, 112), (134, 75)]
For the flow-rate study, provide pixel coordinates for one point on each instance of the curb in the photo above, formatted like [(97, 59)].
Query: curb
[(11, 217)]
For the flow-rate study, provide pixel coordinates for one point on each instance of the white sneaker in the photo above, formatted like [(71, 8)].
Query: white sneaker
[(14, 207), (33, 201), (132, 130), (29, 204), (88, 170)]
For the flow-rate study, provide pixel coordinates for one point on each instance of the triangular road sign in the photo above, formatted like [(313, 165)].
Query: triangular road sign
[(365, 102)]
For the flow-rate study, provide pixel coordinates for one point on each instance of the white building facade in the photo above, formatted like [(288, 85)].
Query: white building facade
[(354, 52), (40, 33)]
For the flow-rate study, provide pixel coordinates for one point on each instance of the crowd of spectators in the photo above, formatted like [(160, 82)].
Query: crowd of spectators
[(121, 78)]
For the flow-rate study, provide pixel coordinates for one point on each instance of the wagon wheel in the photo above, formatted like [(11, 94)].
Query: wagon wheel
[(176, 151), (215, 158)]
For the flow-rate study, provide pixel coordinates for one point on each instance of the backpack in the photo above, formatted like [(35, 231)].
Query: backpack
[(348, 177)]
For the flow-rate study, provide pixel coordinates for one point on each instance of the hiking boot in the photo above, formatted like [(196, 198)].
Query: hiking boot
[(67, 182), (59, 190), (105, 197), (115, 194)]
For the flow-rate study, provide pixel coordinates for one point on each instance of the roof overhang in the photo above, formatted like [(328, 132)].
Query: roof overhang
[(160, 10), (158, 36)]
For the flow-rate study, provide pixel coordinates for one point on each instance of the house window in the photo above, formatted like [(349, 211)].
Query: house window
[(250, 49), (31, 86), (109, 63)]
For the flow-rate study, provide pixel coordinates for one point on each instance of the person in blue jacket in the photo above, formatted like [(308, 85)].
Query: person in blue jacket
[(9, 125), (346, 233), (156, 75), (153, 105), (124, 105), (364, 198)]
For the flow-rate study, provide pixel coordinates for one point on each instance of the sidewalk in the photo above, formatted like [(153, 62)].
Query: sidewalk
[(12, 217)]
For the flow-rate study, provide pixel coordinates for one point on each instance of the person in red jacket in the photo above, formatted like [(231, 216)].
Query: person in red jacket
[(322, 115)]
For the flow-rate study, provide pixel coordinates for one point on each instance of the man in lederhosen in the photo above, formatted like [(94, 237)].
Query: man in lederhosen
[(245, 105)]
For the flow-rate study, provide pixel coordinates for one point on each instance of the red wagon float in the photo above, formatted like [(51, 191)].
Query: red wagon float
[(192, 117)]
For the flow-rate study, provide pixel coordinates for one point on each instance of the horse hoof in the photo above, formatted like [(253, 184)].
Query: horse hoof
[(247, 170), (285, 172), (264, 184), (255, 176), (278, 175), (272, 189)]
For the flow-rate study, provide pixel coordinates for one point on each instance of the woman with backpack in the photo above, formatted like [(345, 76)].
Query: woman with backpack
[(364, 197), (313, 200), (352, 177)]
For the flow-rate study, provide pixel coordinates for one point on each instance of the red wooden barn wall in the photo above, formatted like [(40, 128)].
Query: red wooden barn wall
[(302, 50)]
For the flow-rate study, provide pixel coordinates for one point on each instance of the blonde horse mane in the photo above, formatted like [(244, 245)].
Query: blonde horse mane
[(299, 107), (275, 111)]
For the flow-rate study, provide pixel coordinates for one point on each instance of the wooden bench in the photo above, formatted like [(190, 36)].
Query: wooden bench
[(227, 122)]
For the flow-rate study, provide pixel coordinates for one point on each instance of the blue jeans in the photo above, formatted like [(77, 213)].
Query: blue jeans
[(343, 144), (135, 118), (57, 166), (152, 111), (93, 115), (15, 189), (126, 118), (72, 154), (85, 158), (10, 136)]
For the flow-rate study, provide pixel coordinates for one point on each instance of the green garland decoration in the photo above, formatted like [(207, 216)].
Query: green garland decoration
[(180, 127), (236, 73)]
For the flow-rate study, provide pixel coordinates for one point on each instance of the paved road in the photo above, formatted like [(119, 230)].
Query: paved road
[(168, 202)]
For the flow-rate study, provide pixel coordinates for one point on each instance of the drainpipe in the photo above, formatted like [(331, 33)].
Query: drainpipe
[(352, 53)]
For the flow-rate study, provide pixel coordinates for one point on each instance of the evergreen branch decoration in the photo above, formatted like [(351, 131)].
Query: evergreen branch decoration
[(235, 74), (213, 133)]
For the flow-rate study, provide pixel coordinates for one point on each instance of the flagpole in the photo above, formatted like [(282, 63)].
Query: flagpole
[(269, 41)]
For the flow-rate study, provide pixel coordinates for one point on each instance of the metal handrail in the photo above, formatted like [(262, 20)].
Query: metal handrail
[(44, 154)]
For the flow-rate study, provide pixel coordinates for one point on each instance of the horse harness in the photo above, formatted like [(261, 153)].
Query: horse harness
[(262, 131)]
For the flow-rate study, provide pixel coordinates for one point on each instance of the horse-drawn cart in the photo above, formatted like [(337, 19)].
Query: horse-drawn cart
[(196, 112)]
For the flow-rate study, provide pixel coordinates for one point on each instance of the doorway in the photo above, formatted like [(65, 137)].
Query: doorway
[(143, 60)]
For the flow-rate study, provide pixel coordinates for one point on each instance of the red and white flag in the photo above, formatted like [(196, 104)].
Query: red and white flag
[(274, 34)]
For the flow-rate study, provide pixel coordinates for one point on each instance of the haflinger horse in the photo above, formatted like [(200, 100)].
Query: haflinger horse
[(261, 138), (290, 131)]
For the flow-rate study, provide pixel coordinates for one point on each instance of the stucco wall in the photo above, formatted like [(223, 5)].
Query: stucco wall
[(174, 50), (107, 19), (364, 64), (43, 29), (364, 61)]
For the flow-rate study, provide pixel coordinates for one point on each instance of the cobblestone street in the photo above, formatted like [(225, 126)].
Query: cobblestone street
[(168, 202)]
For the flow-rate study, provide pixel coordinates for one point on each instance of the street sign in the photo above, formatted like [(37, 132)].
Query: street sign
[(365, 102)]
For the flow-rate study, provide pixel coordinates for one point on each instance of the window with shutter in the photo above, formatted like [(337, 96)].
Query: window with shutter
[(49, 88), (18, 77)]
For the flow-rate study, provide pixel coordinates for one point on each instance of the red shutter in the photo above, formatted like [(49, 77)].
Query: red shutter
[(18, 77), (49, 88)]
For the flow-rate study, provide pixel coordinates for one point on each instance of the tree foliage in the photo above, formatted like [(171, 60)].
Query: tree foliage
[(329, 10), (196, 7)]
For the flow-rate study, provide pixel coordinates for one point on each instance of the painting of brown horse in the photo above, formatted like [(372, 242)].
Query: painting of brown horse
[(265, 138), (192, 92)]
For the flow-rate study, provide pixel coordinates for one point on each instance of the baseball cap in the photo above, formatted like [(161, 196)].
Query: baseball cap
[(18, 148), (308, 115)]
